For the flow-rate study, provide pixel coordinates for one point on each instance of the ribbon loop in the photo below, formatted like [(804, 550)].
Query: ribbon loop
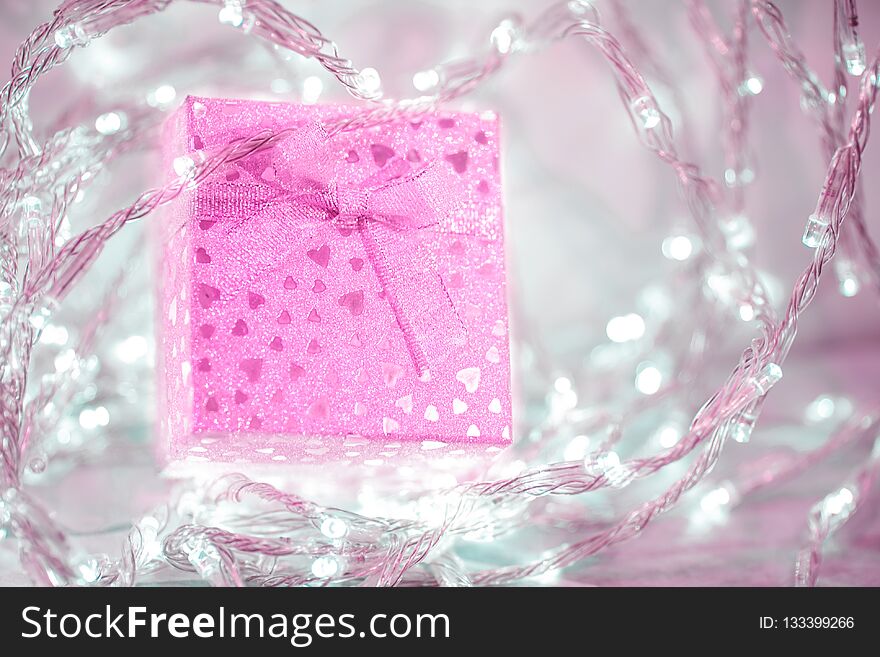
[(384, 209)]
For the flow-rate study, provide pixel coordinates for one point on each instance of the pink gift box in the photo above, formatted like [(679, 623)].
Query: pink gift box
[(333, 297)]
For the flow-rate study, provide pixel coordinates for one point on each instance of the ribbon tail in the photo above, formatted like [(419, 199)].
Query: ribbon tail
[(407, 270)]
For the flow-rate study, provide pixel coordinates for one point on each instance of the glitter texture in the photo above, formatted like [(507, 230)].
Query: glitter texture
[(331, 295)]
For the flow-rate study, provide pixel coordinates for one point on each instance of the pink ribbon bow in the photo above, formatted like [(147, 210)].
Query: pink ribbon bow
[(265, 197)]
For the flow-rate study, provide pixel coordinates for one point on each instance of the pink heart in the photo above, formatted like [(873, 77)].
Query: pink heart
[(354, 301), (255, 300), (319, 286), (319, 409), (381, 154), (458, 161), (240, 328), (207, 295), (202, 256), (320, 256), (252, 367), (276, 344), (391, 373), (356, 263)]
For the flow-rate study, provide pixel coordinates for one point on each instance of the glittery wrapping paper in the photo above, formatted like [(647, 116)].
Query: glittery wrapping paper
[(285, 337)]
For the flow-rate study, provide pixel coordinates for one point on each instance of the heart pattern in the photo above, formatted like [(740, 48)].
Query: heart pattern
[(320, 256)]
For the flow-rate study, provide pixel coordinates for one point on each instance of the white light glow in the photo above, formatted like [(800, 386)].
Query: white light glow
[(747, 312), (426, 80), (625, 328), (669, 435), (648, 379), (677, 247), (577, 449), (162, 96), (502, 37), (132, 349), (754, 85), (334, 528), (109, 123), (312, 88), (369, 81), (323, 567), (53, 334)]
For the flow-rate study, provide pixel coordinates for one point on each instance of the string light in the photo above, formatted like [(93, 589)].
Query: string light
[(645, 111), (575, 426), (369, 82), (814, 233)]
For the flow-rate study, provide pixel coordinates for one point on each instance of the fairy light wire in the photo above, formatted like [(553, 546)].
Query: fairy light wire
[(388, 552)]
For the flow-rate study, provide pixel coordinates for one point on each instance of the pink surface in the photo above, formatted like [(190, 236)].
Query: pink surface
[(334, 298)]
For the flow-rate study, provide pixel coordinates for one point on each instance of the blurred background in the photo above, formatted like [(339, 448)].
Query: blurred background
[(588, 209)]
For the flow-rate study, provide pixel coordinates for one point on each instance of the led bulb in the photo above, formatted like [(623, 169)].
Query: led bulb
[(814, 233), (767, 378), (847, 278), (741, 178), (71, 35), (645, 112), (369, 82), (649, 378), (31, 205), (504, 37), (837, 506), (110, 123), (738, 232), (742, 426), (334, 528), (203, 556), (324, 567), (40, 317), (854, 57), (311, 89), (625, 328), (234, 15), (183, 165), (752, 85), (678, 247), (426, 80), (162, 96)]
